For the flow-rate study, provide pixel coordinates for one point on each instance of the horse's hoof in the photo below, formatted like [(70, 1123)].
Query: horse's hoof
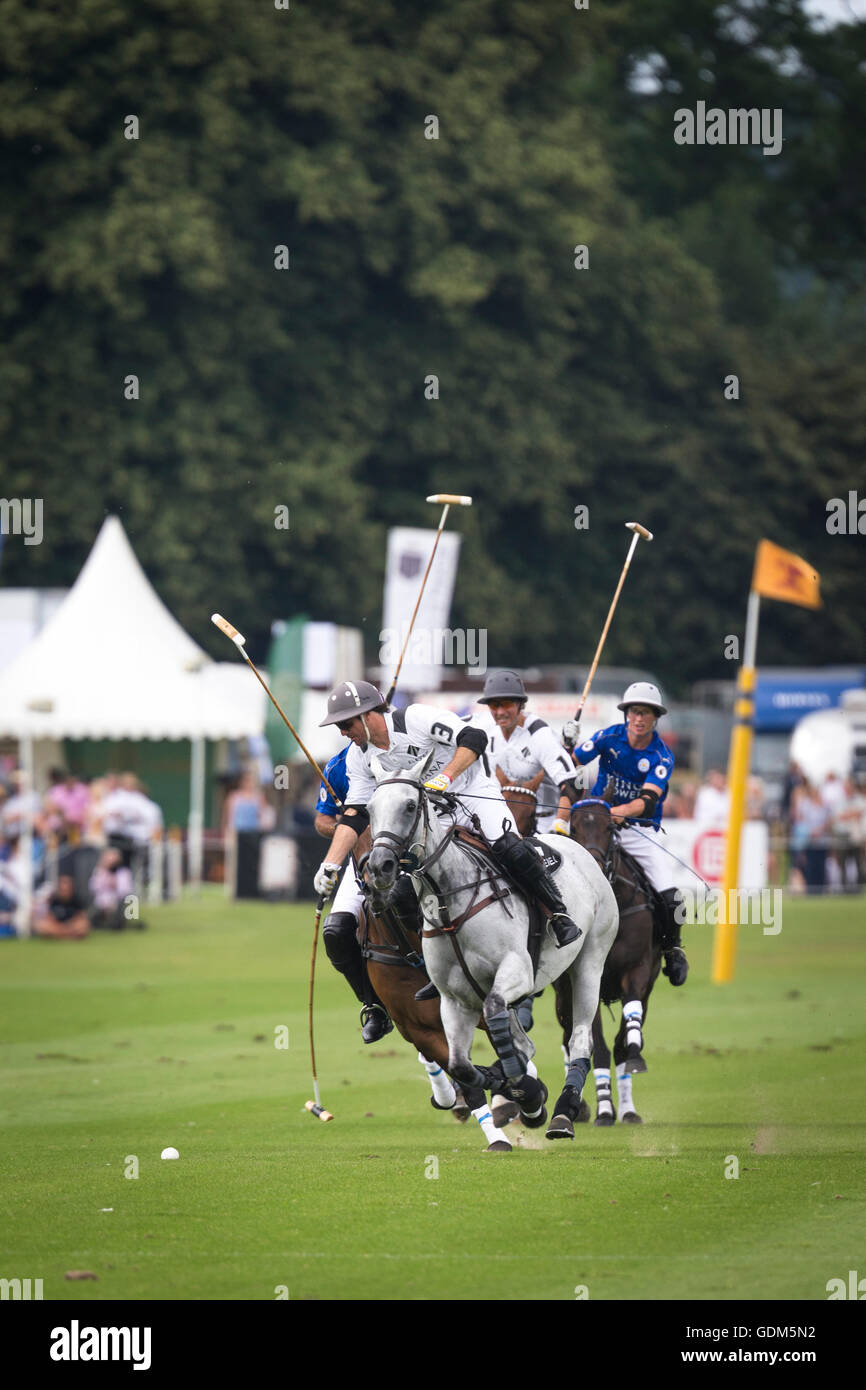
[(604, 1119), (503, 1111), (534, 1121), (461, 1112), (631, 1117), (583, 1113), (635, 1065), (560, 1127), (499, 1146)]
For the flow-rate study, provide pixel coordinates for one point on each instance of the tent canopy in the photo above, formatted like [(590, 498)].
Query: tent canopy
[(113, 663)]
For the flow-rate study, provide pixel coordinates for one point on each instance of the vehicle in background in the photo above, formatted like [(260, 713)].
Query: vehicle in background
[(833, 740)]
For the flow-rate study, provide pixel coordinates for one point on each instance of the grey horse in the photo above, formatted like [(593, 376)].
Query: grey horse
[(485, 967)]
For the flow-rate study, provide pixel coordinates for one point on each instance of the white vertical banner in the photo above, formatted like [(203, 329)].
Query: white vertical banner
[(432, 643)]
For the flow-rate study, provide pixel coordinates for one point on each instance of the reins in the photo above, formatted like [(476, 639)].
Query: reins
[(610, 862), (404, 847)]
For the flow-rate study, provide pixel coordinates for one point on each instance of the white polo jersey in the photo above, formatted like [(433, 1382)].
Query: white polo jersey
[(412, 733), (534, 747)]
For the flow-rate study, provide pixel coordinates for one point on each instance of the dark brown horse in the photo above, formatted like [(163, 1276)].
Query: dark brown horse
[(522, 802), (631, 967), (392, 950)]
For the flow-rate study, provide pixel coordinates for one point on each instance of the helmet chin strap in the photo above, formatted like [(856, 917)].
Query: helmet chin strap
[(366, 728)]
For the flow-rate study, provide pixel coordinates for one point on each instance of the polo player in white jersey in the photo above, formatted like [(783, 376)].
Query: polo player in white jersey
[(397, 739)]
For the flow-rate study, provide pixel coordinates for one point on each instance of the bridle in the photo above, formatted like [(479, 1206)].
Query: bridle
[(610, 862), (607, 859), (409, 861), (404, 845)]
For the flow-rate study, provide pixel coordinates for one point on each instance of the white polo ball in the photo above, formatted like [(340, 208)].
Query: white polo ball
[(169, 1153)]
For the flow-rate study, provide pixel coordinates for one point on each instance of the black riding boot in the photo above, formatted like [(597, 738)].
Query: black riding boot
[(676, 967), (344, 953), (523, 864)]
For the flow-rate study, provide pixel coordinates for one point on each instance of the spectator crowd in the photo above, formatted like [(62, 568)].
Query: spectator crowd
[(818, 833), (89, 839), (88, 842)]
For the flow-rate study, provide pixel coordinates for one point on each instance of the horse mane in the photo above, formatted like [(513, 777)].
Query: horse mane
[(641, 879)]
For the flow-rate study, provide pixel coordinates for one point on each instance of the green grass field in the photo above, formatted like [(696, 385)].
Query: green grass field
[(121, 1045)]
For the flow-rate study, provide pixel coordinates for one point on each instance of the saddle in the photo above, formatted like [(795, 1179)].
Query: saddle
[(486, 863), (538, 913)]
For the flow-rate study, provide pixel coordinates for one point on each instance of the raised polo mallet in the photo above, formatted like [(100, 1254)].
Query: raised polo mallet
[(639, 531), (234, 636), (315, 1106), (446, 500)]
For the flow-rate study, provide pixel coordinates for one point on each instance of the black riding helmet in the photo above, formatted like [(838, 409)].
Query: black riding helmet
[(350, 698), (503, 685)]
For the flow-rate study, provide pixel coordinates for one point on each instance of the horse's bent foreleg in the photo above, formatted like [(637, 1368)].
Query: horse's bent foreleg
[(509, 985), (496, 1141), (444, 1094), (585, 975), (459, 1022)]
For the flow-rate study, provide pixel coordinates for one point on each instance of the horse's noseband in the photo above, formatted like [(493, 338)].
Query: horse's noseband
[(407, 858)]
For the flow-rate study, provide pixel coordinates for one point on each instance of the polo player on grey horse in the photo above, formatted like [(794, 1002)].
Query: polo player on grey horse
[(398, 739)]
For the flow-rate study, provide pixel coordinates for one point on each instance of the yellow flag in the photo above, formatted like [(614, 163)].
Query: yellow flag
[(783, 575)]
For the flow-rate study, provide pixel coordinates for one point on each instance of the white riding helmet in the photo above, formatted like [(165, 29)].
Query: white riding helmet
[(642, 693)]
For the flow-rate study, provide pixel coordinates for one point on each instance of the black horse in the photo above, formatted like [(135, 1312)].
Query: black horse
[(632, 965)]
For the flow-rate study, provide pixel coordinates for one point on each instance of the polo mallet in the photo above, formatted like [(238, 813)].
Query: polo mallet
[(639, 531), (232, 633), (449, 499), (315, 1106)]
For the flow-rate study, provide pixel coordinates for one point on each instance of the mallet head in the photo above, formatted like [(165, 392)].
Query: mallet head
[(641, 530), (225, 626), (319, 1110), (450, 499)]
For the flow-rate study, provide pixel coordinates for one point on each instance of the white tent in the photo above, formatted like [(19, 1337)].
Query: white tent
[(113, 663)]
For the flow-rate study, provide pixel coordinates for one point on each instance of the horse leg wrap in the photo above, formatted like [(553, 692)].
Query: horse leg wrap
[(530, 1096), (497, 1077), (482, 1077), (568, 1103), (488, 1128), (602, 1086), (499, 1028), (444, 1095), (632, 1012), (578, 1070), (623, 1088), (603, 1099)]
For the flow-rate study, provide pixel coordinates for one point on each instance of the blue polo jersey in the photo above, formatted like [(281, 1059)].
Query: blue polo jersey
[(630, 768), (335, 771)]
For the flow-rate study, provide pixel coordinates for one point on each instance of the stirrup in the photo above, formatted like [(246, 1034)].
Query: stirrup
[(565, 931), (375, 1022)]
